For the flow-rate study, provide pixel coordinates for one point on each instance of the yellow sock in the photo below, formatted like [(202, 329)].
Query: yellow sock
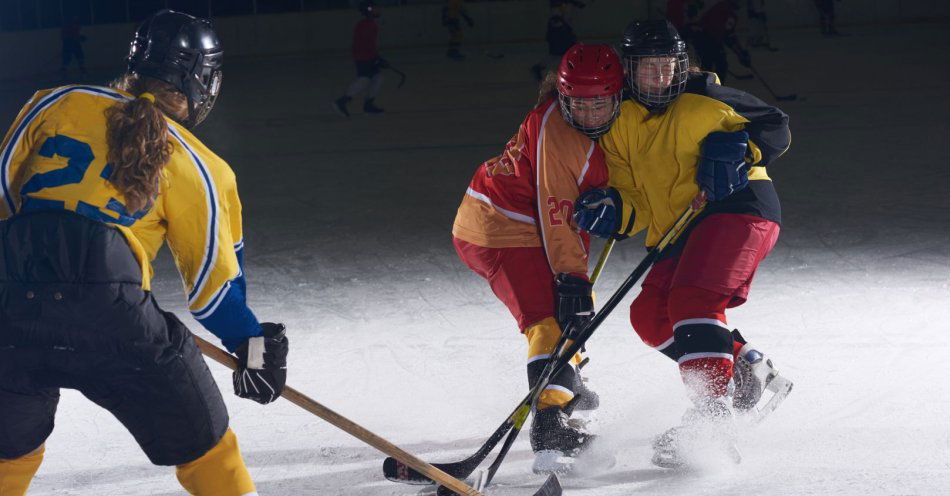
[(219, 472), (16, 474), (542, 338)]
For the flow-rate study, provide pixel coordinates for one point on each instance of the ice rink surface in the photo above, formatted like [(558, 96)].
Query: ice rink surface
[(347, 229)]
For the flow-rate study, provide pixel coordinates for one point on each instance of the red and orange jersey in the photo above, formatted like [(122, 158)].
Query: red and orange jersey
[(525, 196)]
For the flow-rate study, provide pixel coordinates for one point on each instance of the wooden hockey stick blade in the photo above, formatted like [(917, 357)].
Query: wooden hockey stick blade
[(346, 425)]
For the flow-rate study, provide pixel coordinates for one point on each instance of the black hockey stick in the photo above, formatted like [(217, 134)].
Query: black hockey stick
[(783, 98), (397, 471), (564, 358), (402, 76)]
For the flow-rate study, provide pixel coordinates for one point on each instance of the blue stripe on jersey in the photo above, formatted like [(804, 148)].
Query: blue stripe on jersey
[(43, 104), (212, 241)]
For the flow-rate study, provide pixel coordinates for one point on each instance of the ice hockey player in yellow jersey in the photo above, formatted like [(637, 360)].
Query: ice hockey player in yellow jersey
[(93, 181)]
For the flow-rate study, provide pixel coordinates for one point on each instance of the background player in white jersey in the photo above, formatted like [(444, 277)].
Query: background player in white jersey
[(93, 181)]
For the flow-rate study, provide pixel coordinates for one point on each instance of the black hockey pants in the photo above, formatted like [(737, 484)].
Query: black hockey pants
[(73, 315)]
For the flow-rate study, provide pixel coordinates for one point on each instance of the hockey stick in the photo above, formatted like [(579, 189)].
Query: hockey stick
[(352, 428), (402, 76), (565, 357), (397, 472), (784, 98)]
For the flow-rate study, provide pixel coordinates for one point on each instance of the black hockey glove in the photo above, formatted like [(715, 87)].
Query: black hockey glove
[(574, 306), (262, 365)]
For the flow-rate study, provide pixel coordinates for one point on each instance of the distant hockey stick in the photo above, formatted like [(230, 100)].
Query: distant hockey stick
[(784, 98), (396, 471), (290, 394), (402, 76)]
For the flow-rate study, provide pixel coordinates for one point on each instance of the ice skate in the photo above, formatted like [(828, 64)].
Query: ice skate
[(556, 441), (707, 431), (340, 105), (753, 374), (369, 106), (586, 399)]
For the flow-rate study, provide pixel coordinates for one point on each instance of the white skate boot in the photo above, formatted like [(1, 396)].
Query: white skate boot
[(753, 374)]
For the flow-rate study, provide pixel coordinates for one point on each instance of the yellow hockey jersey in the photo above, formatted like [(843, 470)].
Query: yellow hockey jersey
[(652, 161), (54, 157)]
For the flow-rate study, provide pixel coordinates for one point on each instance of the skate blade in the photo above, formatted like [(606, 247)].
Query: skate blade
[(552, 462), (780, 387)]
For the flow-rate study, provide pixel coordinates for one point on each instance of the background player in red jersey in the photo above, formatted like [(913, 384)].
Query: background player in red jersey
[(367, 60), (514, 229)]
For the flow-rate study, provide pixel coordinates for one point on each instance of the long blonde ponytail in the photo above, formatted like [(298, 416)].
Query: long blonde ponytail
[(138, 138)]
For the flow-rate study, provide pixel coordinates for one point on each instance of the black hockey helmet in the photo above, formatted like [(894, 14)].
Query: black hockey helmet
[(368, 8), (655, 40), (183, 51)]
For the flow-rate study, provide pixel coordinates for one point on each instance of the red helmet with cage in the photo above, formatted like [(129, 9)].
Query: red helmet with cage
[(589, 86)]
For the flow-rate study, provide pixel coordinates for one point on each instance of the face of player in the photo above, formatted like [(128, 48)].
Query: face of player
[(655, 74), (593, 112)]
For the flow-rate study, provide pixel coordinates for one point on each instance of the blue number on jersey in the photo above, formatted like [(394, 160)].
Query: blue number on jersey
[(80, 157)]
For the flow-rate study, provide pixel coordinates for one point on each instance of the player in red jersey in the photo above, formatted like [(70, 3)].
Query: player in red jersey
[(514, 228)]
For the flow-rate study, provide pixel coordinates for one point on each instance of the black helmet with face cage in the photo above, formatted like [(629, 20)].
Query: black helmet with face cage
[(653, 39), (183, 51)]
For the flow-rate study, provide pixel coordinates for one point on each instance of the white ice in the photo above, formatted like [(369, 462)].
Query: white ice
[(348, 242)]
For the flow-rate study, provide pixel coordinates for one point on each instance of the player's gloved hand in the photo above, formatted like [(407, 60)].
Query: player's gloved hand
[(598, 211), (381, 63), (723, 169), (262, 365), (469, 21), (574, 305), (745, 58)]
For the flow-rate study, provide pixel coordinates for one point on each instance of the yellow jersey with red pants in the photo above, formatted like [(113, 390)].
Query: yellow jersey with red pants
[(514, 228), (652, 159), (75, 295)]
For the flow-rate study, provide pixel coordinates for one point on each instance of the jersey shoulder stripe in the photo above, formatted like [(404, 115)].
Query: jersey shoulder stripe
[(45, 102), (211, 203)]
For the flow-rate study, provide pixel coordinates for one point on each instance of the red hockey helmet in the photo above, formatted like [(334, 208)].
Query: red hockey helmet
[(589, 86)]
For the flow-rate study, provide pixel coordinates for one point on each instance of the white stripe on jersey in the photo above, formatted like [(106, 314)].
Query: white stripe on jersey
[(211, 239), (537, 175), (507, 213), (590, 151)]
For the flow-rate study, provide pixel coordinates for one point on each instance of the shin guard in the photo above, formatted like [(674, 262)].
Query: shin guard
[(706, 361), (542, 338), (16, 474), (219, 472)]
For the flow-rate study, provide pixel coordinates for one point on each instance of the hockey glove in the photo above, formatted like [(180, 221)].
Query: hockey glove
[(262, 365), (598, 211), (723, 169), (574, 305)]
